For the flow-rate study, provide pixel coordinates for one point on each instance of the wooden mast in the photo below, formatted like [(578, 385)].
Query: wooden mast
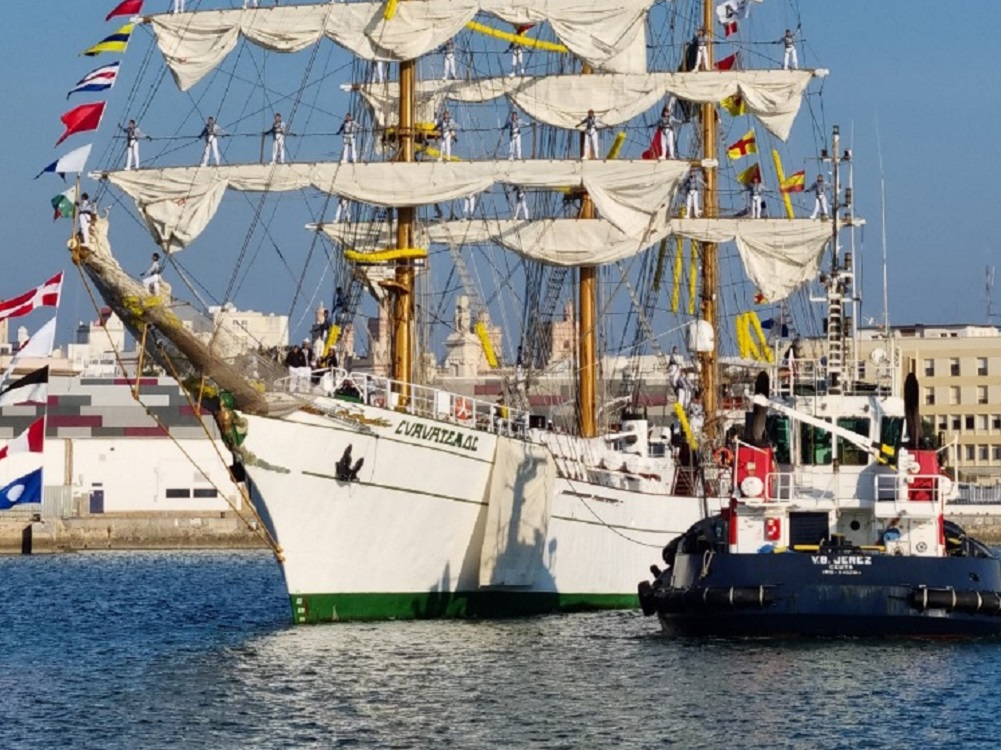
[(587, 291), (403, 298), (708, 363)]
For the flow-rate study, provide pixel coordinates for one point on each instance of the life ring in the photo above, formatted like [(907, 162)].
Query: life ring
[(463, 408), (723, 456), (379, 401)]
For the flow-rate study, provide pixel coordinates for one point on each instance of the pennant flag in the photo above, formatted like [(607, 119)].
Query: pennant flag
[(727, 63), (654, 152), (97, 80), (521, 28), (33, 388), (74, 161), (117, 42), (26, 489), (794, 183), (760, 299), (126, 8), (746, 145), (39, 345), (29, 441), (729, 29), (81, 119), (63, 204), (46, 295), (734, 105), (747, 176)]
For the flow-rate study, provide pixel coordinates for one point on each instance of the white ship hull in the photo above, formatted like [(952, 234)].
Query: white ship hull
[(407, 538)]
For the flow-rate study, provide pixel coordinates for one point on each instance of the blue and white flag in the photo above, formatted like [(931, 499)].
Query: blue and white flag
[(26, 489), (101, 79)]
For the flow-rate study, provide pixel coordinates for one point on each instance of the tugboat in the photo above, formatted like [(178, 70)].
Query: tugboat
[(846, 539)]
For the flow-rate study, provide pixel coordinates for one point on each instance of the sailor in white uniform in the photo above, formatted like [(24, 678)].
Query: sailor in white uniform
[(591, 124), (210, 133), (151, 276), (278, 131), (819, 189), (379, 71), (757, 193), (514, 126), (132, 136), (447, 130), (693, 184), (178, 6), (248, 3), (520, 206), (702, 56), (468, 206), (517, 60), (665, 131), (790, 60), (85, 212), (449, 60), (348, 129), (343, 212)]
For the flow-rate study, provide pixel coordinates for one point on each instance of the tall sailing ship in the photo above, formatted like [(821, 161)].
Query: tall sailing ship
[(389, 494)]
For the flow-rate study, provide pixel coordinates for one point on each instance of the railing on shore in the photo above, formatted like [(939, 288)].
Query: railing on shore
[(424, 401), (977, 494)]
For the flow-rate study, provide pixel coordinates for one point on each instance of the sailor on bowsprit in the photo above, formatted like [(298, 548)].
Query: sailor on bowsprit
[(448, 74), (517, 60), (665, 133), (789, 60), (702, 55), (446, 128), (514, 126), (210, 133), (348, 129), (132, 136), (819, 190), (85, 213), (520, 206), (277, 131), (693, 184), (591, 124)]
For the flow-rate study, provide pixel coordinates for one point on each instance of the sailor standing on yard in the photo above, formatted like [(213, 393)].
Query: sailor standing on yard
[(819, 189), (348, 129), (343, 211), (513, 125), (178, 6), (757, 192), (789, 41), (468, 206), (520, 206), (665, 131), (447, 130), (132, 136), (591, 124), (693, 184), (278, 131), (449, 60), (517, 60), (211, 133), (702, 56)]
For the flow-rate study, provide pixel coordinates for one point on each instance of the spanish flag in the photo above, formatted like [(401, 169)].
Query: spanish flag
[(734, 105), (747, 176), (117, 42), (746, 145), (794, 183)]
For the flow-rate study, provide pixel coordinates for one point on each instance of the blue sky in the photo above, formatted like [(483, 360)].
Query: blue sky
[(919, 70)]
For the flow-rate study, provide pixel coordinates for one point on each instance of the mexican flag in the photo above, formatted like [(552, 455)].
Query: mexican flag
[(63, 204)]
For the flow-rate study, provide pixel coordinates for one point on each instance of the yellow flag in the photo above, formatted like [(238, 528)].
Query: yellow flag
[(734, 105), (747, 176)]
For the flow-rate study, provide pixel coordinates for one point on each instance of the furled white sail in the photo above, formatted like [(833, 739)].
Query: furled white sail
[(608, 34), (773, 96), (178, 202), (778, 254)]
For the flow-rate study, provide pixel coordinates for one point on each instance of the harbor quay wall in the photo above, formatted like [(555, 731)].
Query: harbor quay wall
[(129, 531), (980, 521)]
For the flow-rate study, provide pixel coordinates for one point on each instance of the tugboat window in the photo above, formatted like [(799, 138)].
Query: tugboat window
[(891, 432), (780, 435), (849, 454), (815, 446)]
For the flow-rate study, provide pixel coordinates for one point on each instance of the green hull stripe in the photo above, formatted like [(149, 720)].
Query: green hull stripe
[(316, 608)]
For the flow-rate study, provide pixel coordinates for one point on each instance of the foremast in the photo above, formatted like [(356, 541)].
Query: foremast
[(708, 362), (403, 289)]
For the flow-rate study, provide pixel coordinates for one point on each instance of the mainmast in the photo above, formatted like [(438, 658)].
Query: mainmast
[(837, 286), (403, 289), (710, 271), (587, 320)]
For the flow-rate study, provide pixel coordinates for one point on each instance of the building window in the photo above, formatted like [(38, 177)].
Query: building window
[(996, 453), (205, 492), (929, 368), (971, 452), (996, 422), (981, 394), (981, 366), (969, 422), (957, 424), (929, 396), (954, 394), (176, 494), (982, 451), (982, 422), (954, 367), (943, 423)]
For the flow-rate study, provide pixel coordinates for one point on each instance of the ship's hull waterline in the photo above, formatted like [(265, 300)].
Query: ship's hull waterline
[(406, 539)]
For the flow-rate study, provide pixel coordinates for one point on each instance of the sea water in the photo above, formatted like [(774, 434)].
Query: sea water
[(196, 650)]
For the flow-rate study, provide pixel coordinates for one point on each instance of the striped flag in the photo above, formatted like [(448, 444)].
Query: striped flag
[(101, 79), (74, 161), (33, 388), (29, 441), (46, 295), (794, 183), (748, 144), (116, 42), (26, 489)]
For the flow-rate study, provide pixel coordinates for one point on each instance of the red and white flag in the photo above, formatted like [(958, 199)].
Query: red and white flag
[(47, 295), (29, 441)]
